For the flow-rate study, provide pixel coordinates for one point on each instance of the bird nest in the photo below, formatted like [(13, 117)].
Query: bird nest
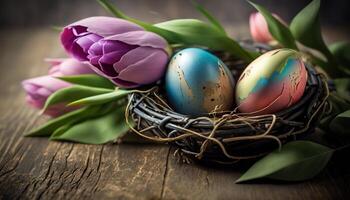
[(227, 137)]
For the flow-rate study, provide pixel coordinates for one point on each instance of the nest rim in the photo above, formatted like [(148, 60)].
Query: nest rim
[(220, 136)]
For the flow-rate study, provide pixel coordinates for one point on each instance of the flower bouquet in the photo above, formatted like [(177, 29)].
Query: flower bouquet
[(185, 82)]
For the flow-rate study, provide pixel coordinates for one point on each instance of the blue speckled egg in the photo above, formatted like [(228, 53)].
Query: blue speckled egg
[(198, 82)]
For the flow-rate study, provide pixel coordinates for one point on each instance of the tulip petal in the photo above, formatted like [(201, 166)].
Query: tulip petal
[(86, 41), (48, 82), (124, 84), (253, 28), (263, 29), (94, 61), (106, 26), (44, 92), (37, 103), (67, 38), (107, 70), (140, 38), (77, 52), (54, 61), (95, 49), (80, 46), (111, 58), (71, 67), (132, 57), (148, 70), (111, 45)]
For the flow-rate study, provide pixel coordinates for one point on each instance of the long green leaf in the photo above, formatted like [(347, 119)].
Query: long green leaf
[(90, 80), (169, 36), (191, 32), (73, 93), (306, 28), (187, 32), (340, 124), (102, 98), (71, 117), (338, 105), (297, 160), (342, 86), (341, 52), (210, 17), (278, 30), (98, 130)]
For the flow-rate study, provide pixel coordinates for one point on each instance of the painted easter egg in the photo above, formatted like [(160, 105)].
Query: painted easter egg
[(198, 82), (274, 81)]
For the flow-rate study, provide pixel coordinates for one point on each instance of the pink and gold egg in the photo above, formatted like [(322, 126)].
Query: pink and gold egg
[(273, 82)]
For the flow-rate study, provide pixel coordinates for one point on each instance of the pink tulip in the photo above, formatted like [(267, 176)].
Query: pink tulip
[(68, 67), (39, 89), (259, 28)]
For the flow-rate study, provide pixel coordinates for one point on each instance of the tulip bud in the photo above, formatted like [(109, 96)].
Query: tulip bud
[(39, 89), (68, 67), (79, 36), (130, 59), (259, 28)]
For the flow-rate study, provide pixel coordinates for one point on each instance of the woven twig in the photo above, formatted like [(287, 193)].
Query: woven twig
[(227, 137)]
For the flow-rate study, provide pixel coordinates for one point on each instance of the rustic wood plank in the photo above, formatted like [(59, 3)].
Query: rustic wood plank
[(205, 182), (35, 168)]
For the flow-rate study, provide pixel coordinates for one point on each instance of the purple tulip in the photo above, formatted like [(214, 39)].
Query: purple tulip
[(130, 59), (39, 89), (68, 67), (79, 36)]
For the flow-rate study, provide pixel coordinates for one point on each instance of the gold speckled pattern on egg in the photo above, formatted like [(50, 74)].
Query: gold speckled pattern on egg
[(197, 82), (272, 82)]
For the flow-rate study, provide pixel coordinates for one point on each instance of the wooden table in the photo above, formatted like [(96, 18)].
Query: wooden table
[(35, 168)]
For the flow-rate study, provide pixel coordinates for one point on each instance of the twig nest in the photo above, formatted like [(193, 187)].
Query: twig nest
[(231, 136)]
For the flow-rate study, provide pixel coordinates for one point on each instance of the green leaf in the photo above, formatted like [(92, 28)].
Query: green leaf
[(188, 32), (90, 80), (169, 36), (306, 28), (98, 130), (340, 124), (279, 31), (73, 93), (71, 117), (297, 160), (210, 17), (338, 105), (102, 98), (341, 51), (342, 86)]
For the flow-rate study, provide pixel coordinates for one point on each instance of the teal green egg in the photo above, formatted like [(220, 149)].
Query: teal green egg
[(198, 82)]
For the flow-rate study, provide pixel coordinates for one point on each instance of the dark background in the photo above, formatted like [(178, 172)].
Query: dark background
[(38, 13)]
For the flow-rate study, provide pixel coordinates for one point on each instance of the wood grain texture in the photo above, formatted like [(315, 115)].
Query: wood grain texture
[(35, 168)]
